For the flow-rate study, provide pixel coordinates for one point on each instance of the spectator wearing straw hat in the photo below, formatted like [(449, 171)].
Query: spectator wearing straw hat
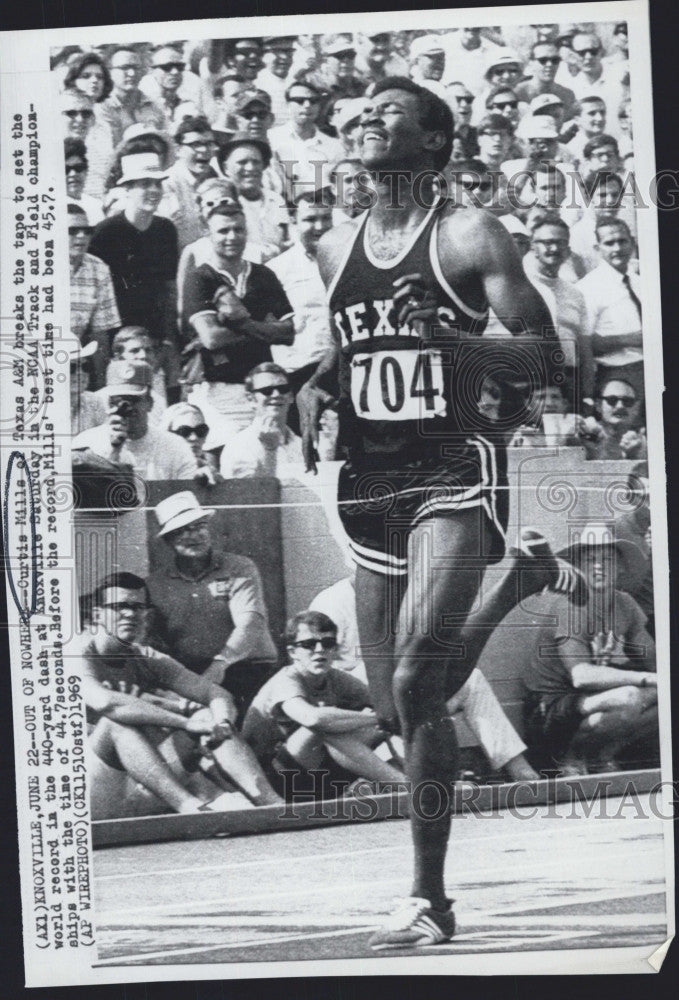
[(127, 437), (209, 605), (591, 686)]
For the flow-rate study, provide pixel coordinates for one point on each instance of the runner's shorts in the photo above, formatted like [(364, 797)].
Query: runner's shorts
[(380, 501)]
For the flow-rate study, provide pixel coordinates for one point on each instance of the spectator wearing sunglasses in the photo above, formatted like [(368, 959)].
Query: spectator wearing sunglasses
[(544, 63), (76, 167), (79, 122), (267, 445), (188, 422), (127, 104), (90, 75), (94, 311), (195, 145), (592, 78), (173, 87), (311, 713), (616, 431), (465, 140), (300, 145)]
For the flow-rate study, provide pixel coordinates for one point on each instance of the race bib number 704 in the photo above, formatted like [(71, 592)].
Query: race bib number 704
[(398, 385)]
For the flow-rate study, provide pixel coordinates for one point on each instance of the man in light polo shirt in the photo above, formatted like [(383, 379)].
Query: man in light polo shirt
[(173, 87), (209, 605)]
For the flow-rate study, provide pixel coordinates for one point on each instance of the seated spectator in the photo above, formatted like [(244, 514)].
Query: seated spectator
[(616, 431), (310, 711), (126, 437), (612, 294), (502, 100), (475, 700), (133, 343), (635, 527), (194, 145), (552, 188), (232, 312), (127, 730), (76, 164), (86, 409), (503, 69), (268, 445), (542, 141), (566, 304), (243, 161), (94, 312), (188, 422), (591, 687), (209, 610)]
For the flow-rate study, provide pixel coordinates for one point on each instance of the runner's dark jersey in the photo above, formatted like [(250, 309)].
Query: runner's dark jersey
[(398, 389)]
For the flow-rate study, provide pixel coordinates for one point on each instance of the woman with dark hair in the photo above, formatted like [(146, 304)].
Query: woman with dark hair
[(90, 74)]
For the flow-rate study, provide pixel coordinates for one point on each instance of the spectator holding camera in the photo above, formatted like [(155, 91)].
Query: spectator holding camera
[(127, 437)]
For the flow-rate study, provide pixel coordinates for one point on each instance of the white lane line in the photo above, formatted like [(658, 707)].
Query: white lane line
[(147, 956), (349, 888), (324, 856)]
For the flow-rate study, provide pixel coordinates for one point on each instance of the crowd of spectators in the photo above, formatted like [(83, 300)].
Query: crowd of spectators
[(200, 177)]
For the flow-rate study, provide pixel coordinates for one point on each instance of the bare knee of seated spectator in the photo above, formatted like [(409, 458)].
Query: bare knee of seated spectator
[(103, 740)]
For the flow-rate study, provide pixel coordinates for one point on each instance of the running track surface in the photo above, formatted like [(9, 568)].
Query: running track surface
[(554, 881)]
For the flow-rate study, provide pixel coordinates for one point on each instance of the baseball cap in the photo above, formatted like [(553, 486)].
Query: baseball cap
[(243, 139), (248, 97), (494, 123), (128, 378)]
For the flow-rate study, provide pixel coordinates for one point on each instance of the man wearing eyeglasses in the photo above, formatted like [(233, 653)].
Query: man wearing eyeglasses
[(94, 312), (310, 711), (209, 608), (173, 87), (127, 104), (299, 145), (267, 445), (195, 145), (139, 703), (545, 60)]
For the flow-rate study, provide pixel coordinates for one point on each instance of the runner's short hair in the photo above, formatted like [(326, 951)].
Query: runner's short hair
[(435, 114), (312, 619)]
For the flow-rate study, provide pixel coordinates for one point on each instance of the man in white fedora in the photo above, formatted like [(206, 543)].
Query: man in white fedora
[(591, 686), (141, 250), (209, 604)]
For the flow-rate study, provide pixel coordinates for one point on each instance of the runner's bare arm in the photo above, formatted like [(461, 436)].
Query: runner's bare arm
[(312, 398)]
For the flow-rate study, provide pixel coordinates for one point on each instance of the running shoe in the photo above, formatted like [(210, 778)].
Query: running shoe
[(414, 922), (555, 573)]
